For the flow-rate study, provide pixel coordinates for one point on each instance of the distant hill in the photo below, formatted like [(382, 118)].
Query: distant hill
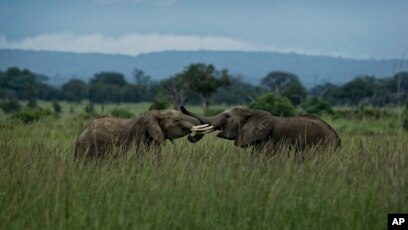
[(252, 66)]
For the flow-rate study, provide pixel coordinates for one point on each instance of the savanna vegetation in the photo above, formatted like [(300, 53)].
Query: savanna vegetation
[(208, 185), (211, 184)]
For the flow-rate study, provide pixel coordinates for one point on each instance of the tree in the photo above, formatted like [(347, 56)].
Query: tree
[(48, 92), (325, 92), (296, 93), (106, 87), (130, 93), (205, 80), (74, 90), (353, 92), (102, 93), (398, 86), (141, 79), (237, 92), (176, 89), (143, 84), (285, 84), (26, 85), (108, 78), (18, 83)]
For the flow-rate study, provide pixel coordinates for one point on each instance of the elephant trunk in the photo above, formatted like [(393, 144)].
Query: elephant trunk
[(195, 138), (201, 118)]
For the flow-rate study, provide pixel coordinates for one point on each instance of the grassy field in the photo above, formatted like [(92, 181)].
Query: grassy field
[(208, 185)]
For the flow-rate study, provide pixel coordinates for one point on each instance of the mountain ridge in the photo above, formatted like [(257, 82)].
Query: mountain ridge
[(250, 65)]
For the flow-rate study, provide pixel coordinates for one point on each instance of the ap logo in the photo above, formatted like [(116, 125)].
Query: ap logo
[(397, 221)]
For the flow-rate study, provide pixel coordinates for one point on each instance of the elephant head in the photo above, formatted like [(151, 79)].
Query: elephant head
[(244, 126), (172, 124)]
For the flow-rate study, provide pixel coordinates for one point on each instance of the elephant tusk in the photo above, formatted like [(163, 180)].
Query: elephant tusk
[(199, 126), (203, 130), (195, 128)]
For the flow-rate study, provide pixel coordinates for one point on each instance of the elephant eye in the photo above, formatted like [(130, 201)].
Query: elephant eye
[(227, 115), (176, 120)]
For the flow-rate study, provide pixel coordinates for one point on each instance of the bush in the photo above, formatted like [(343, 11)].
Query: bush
[(26, 116), (159, 105), (278, 106), (122, 113), (90, 109), (405, 118), (405, 124), (317, 106), (10, 106), (405, 111), (32, 103), (56, 106), (31, 115)]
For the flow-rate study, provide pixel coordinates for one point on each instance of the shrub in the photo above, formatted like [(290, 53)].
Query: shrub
[(56, 106), (10, 106), (26, 116), (90, 109), (43, 112), (32, 103), (278, 106), (405, 124), (31, 115), (405, 118), (405, 111), (122, 113), (159, 105), (317, 106)]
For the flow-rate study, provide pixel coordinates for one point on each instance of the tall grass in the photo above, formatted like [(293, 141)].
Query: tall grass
[(208, 185)]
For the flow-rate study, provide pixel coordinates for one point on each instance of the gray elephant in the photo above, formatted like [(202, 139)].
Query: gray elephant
[(150, 129), (258, 128)]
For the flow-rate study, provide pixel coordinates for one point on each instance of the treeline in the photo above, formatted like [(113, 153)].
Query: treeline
[(202, 83)]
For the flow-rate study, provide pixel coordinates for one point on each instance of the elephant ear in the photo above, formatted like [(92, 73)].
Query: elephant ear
[(256, 127), (153, 127)]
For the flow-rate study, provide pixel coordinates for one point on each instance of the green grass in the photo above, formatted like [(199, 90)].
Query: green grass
[(208, 185)]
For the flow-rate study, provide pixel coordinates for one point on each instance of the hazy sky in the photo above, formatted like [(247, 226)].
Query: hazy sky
[(358, 29)]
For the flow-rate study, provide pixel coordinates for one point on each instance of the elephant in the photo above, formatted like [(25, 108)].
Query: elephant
[(151, 129), (258, 128)]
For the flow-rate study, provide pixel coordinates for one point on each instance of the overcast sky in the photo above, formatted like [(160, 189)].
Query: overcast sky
[(357, 29)]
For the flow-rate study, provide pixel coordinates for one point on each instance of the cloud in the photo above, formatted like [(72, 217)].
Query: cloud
[(135, 44), (132, 44)]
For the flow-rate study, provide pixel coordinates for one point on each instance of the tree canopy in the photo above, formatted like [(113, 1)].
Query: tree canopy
[(205, 80), (74, 90), (285, 84)]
